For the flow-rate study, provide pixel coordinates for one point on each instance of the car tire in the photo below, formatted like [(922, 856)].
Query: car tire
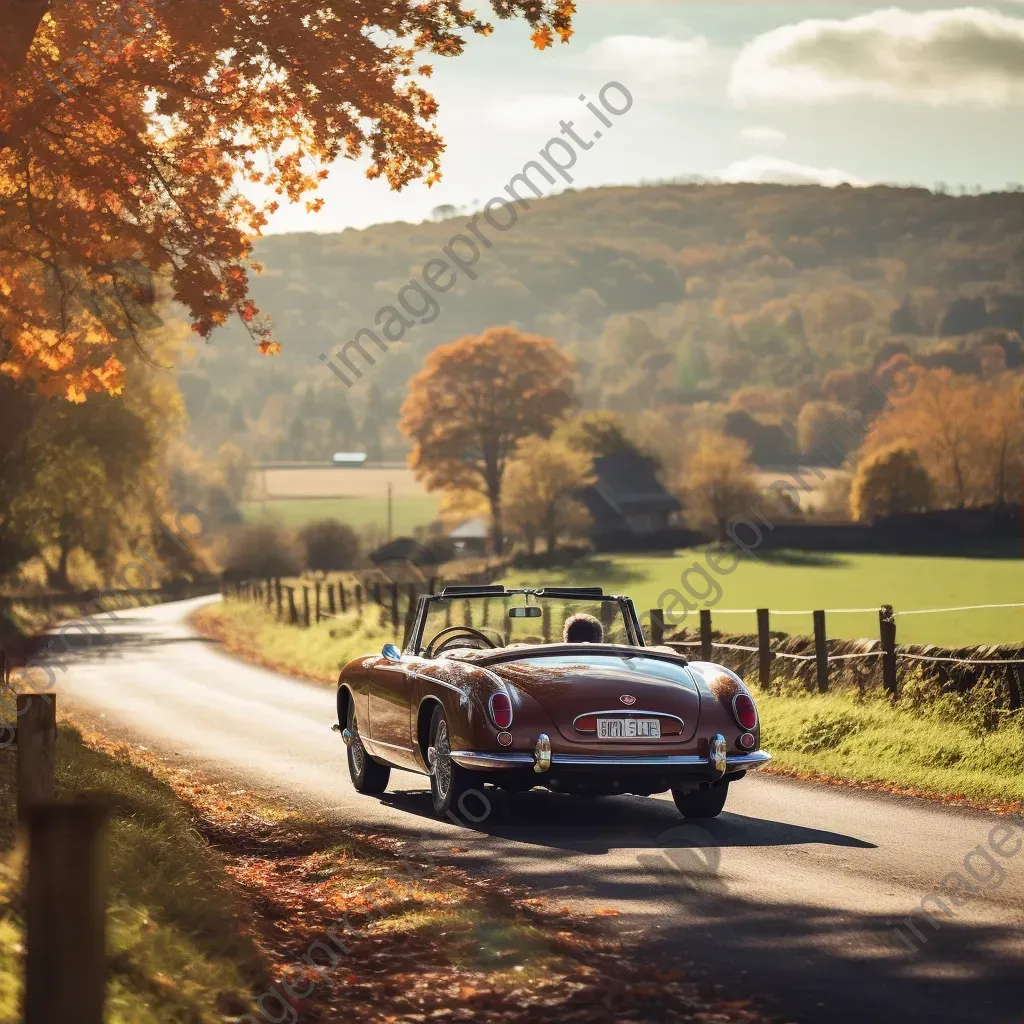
[(449, 782), (367, 775), (706, 803)]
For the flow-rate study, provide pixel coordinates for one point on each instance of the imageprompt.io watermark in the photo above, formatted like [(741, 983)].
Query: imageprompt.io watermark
[(416, 301)]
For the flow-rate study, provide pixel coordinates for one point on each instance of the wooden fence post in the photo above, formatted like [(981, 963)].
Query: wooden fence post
[(277, 592), (705, 634), (821, 651), (394, 607), (657, 626), (305, 606), (413, 598), (293, 612), (65, 940), (317, 586), (341, 598), (887, 633), (37, 736), (764, 648), (332, 608), (359, 600), (432, 585), (270, 592)]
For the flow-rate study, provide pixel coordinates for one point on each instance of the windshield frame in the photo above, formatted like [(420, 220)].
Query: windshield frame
[(414, 642)]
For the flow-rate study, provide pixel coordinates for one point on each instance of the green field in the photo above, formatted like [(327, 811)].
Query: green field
[(794, 580), (407, 513)]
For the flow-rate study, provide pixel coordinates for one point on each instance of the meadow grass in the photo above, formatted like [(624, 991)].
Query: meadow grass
[(176, 937), (800, 580), (935, 749), (359, 513), (316, 653)]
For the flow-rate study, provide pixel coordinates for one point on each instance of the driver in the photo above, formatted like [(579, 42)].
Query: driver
[(582, 629)]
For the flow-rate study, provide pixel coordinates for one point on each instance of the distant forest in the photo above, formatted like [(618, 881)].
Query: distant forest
[(744, 303)]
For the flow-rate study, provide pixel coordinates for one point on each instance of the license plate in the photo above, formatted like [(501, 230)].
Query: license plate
[(628, 729)]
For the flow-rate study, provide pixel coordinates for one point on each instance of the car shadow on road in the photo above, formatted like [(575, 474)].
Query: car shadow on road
[(601, 824)]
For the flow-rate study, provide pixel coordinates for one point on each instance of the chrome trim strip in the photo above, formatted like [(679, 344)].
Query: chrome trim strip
[(752, 760), (625, 711), (642, 760), (483, 759), (381, 743), (479, 759), (419, 674)]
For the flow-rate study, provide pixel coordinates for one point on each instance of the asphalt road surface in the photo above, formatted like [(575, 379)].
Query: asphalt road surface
[(791, 896)]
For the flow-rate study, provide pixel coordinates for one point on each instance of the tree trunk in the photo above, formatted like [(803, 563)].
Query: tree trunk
[(19, 20), (497, 533)]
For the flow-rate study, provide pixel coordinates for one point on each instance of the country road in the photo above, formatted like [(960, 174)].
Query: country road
[(789, 897)]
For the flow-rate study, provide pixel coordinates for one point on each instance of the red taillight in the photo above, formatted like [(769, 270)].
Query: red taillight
[(586, 723), (744, 711), (501, 710)]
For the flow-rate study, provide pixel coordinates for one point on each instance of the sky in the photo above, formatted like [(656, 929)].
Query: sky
[(922, 94)]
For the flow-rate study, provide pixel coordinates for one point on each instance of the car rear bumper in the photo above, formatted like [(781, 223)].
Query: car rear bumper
[(682, 763)]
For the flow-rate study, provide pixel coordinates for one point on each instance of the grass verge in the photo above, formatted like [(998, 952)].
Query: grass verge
[(930, 750), (178, 935), (317, 653)]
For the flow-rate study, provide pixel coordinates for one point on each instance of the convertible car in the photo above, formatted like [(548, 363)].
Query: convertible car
[(551, 687)]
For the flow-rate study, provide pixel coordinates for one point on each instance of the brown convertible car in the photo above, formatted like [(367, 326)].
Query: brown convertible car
[(552, 687)]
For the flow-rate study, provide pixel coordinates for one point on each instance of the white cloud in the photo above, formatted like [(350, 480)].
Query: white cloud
[(964, 56), (536, 108), (763, 133), (650, 59), (786, 172)]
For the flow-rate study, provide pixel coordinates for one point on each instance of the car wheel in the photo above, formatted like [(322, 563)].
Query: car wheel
[(701, 804), (448, 781), (367, 775)]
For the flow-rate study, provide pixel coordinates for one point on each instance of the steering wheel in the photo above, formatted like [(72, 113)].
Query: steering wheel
[(452, 636)]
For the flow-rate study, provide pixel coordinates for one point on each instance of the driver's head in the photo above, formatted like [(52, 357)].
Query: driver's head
[(582, 629)]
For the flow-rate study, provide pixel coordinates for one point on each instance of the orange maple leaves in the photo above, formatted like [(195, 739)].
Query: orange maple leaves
[(131, 131)]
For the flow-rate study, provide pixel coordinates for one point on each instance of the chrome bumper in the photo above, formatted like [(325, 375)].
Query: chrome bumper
[(496, 762)]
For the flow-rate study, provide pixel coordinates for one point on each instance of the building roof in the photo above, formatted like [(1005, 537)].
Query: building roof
[(472, 529), (404, 549), (627, 485)]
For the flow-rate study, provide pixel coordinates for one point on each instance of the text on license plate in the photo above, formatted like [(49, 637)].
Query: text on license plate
[(628, 729)]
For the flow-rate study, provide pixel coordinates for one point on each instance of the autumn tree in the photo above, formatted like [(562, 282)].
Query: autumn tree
[(813, 422), (717, 481), (135, 136), (542, 486), (890, 481), (89, 477), (595, 433), (968, 433), (474, 401)]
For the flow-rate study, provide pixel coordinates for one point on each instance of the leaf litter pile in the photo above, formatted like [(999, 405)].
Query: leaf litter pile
[(357, 927)]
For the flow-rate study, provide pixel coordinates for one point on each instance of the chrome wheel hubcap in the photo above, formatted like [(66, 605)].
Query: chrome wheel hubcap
[(442, 760), (356, 750)]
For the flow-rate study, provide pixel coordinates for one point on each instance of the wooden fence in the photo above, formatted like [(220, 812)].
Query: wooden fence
[(308, 603), (819, 662)]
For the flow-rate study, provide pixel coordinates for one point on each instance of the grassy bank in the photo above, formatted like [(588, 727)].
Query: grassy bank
[(177, 935), (933, 749), (319, 652)]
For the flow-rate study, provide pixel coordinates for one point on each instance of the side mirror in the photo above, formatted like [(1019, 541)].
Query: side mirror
[(391, 653)]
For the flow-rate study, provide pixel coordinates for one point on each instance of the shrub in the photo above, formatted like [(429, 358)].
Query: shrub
[(262, 550), (330, 546)]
